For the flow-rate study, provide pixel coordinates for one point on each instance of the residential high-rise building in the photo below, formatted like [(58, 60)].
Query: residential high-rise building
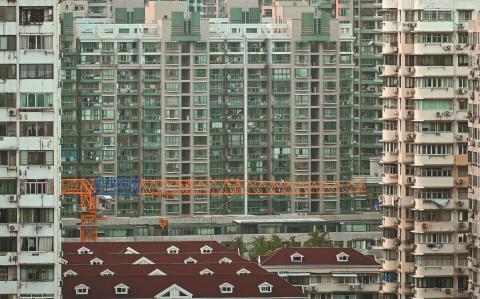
[(29, 149), (425, 130), (182, 99), (473, 115)]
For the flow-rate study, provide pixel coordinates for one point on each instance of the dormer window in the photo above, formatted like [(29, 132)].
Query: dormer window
[(84, 250), (296, 257), (190, 260), (225, 260), (226, 288), (121, 289), (81, 289), (206, 272), (265, 288), (243, 271), (69, 273), (96, 262), (206, 249), (129, 250), (173, 250), (107, 272), (157, 272), (63, 261), (143, 261), (342, 257)]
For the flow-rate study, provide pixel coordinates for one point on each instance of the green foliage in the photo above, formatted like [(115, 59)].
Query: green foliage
[(317, 238), (238, 245), (261, 246)]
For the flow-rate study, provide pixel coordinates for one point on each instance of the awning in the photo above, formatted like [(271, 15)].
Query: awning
[(285, 274), (344, 275), (440, 202)]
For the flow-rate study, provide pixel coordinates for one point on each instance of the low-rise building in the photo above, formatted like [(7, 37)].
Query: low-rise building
[(327, 273), (187, 269)]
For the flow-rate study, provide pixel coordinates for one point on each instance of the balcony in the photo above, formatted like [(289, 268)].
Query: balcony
[(389, 70), (390, 92), (434, 93), (389, 200), (390, 4), (390, 26), (427, 293), (390, 114), (389, 135), (421, 160), (389, 287), (434, 204), (389, 48), (439, 226), (434, 137), (427, 182), (390, 243), (390, 157), (390, 179), (389, 265), (390, 222)]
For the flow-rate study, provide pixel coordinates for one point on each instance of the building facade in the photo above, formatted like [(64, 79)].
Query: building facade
[(425, 202), (29, 149), (473, 154), (326, 273), (181, 99)]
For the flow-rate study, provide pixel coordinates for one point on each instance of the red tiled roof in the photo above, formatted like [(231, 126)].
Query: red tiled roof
[(157, 258), (199, 286), (168, 269), (142, 247), (317, 256), (186, 276)]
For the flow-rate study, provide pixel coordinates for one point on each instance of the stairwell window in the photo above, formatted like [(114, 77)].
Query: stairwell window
[(36, 216), (8, 43), (36, 157), (36, 273), (35, 15), (36, 71), (8, 71), (36, 42)]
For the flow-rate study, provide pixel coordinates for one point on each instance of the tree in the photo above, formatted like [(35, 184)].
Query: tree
[(275, 242), (293, 243), (261, 246), (317, 238), (238, 245)]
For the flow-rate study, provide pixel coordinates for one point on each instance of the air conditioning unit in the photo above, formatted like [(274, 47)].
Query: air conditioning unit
[(459, 181), (13, 227), (12, 112), (448, 291), (459, 203), (439, 114), (424, 225), (460, 91), (12, 198), (410, 179), (411, 136), (459, 47), (447, 113), (447, 48), (460, 26), (410, 114)]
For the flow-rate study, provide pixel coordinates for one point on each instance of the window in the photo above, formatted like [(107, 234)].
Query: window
[(36, 186), (36, 157), (206, 249), (36, 100), (121, 289), (206, 272), (265, 288), (33, 215), (436, 15), (36, 273), (37, 244), (8, 71), (225, 260), (96, 262), (190, 261), (296, 257), (35, 15), (342, 257), (7, 100), (173, 250), (8, 14), (8, 43), (81, 289), (36, 71), (36, 129), (226, 288), (36, 42), (8, 158)]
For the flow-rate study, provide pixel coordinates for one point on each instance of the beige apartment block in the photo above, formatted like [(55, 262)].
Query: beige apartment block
[(425, 95)]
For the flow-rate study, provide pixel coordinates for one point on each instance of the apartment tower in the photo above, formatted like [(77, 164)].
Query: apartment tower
[(473, 115), (29, 149), (425, 130)]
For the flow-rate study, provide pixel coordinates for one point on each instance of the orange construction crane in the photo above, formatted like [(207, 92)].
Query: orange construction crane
[(91, 191)]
